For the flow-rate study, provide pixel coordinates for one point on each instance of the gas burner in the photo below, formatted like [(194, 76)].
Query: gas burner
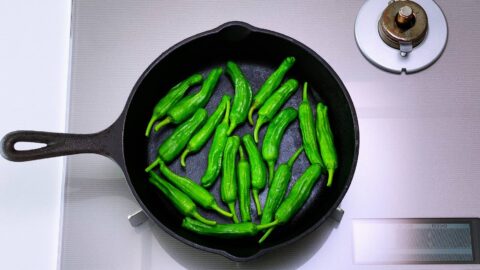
[(401, 35)]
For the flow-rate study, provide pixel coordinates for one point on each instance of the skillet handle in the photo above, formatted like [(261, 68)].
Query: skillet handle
[(106, 142)]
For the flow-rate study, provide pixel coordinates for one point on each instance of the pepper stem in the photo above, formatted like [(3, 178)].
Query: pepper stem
[(250, 113), (221, 211), (257, 202), (260, 122), (150, 124), (155, 177), (305, 94), (242, 155), (231, 128), (231, 206), (330, 177), (152, 165), (184, 156), (294, 157), (163, 123), (197, 215), (261, 227), (271, 168), (265, 235)]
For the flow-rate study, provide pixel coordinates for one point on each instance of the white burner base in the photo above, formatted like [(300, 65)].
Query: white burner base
[(385, 57)]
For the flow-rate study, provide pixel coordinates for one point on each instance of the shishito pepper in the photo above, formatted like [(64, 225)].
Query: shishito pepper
[(279, 187), (325, 139), (296, 198), (215, 154), (243, 178), (198, 140), (242, 98), (273, 104), (270, 85), (191, 103), (307, 128), (228, 189), (193, 190), (258, 169), (273, 138), (223, 230), (171, 98), (175, 143), (181, 201)]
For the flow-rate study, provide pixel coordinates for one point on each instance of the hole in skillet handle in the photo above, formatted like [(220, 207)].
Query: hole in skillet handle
[(22, 146)]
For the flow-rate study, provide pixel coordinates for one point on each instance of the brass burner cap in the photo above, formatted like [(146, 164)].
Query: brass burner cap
[(403, 21)]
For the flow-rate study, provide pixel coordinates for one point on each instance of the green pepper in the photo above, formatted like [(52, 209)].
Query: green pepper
[(307, 128), (181, 201), (228, 189), (175, 143), (258, 169), (223, 230), (279, 187), (243, 175), (273, 138), (193, 190), (270, 85), (242, 98), (214, 161), (296, 198), (171, 98), (202, 136), (189, 104), (325, 139), (273, 104)]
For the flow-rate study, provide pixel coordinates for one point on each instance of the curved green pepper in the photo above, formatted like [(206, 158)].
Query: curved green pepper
[(189, 104), (243, 175), (296, 198), (181, 201), (273, 104), (242, 98), (270, 85), (214, 161), (273, 138), (198, 140), (223, 230), (325, 139), (193, 190), (307, 128), (279, 187), (258, 169), (228, 189), (175, 143), (171, 98)]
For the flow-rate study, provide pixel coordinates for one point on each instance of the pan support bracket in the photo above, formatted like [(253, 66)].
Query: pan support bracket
[(337, 214), (138, 218)]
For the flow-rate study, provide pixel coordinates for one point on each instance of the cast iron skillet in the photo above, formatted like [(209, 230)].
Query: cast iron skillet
[(258, 52)]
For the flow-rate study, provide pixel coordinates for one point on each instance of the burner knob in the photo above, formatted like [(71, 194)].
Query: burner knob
[(403, 25)]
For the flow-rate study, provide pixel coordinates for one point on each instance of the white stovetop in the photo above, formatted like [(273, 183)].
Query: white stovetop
[(431, 124)]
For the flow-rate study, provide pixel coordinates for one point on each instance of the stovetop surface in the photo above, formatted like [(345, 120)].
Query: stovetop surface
[(418, 133)]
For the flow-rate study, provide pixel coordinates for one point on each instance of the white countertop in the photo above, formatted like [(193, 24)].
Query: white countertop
[(34, 49)]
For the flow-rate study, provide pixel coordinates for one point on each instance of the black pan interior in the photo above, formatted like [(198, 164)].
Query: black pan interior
[(258, 53)]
